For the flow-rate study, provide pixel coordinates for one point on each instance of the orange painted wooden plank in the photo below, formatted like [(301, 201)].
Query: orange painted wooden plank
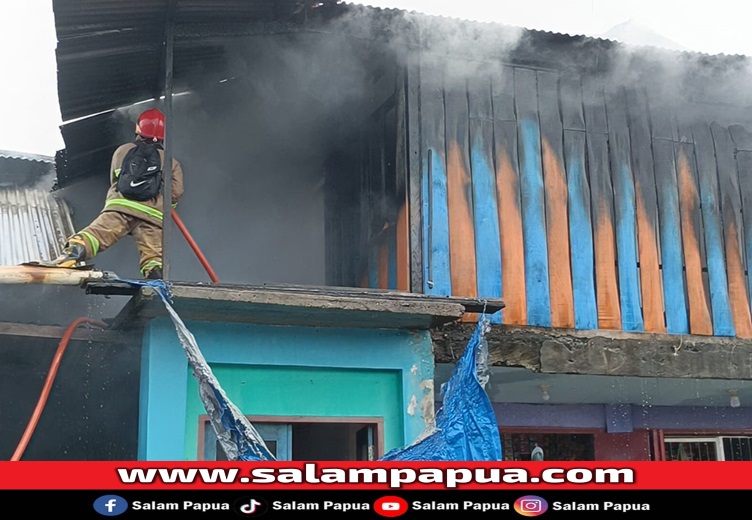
[(462, 260), (650, 275), (604, 238), (602, 206), (744, 167), (651, 283), (461, 231), (689, 198), (403, 250), (510, 224), (728, 183), (737, 284), (557, 214), (557, 234)]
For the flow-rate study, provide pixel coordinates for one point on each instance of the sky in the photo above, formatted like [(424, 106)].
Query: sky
[(30, 113)]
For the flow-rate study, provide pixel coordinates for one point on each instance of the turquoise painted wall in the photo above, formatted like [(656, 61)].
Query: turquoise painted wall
[(279, 390), (356, 372)]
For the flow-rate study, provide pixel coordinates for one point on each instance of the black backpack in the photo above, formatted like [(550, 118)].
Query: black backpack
[(141, 173)]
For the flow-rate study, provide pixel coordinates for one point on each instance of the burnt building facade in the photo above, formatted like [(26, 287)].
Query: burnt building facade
[(599, 190)]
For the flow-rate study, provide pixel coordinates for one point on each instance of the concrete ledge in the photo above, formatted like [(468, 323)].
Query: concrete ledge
[(299, 305), (608, 353), (56, 332)]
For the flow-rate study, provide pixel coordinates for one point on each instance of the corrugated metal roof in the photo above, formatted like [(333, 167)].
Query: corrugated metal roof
[(9, 154), (110, 54), (498, 25), (18, 168), (34, 224)]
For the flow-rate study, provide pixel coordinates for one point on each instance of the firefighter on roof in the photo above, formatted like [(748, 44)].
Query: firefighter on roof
[(128, 211)]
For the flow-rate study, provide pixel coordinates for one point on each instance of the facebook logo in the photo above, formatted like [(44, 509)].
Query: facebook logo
[(110, 505)]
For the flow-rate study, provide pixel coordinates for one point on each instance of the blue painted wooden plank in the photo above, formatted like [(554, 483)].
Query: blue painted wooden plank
[(626, 246), (485, 209), (436, 227), (580, 232), (487, 243), (437, 275), (625, 213), (672, 252), (723, 323), (534, 225), (532, 198)]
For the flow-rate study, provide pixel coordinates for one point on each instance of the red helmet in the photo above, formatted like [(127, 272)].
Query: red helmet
[(151, 123)]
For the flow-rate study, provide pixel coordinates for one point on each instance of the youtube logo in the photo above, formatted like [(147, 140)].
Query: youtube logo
[(390, 506)]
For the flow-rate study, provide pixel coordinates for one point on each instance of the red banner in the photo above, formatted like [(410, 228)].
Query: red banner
[(624, 475)]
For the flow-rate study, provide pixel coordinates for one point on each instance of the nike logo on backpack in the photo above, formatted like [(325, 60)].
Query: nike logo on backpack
[(134, 184)]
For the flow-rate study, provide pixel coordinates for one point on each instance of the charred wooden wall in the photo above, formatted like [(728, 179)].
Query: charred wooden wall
[(583, 203)]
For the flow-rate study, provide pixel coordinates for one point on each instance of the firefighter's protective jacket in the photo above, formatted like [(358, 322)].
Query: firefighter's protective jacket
[(150, 210)]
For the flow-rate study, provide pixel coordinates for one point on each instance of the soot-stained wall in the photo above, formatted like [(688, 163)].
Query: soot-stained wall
[(92, 409), (253, 151), (592, 197)]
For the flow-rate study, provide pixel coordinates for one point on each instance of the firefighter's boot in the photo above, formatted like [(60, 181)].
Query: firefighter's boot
[(155, 273), (73, 254)]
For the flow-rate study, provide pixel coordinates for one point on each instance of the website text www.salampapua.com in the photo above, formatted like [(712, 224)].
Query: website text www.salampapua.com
[(313, 473)]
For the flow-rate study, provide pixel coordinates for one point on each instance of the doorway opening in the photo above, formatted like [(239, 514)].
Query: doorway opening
[(555, 446), (305, 438)]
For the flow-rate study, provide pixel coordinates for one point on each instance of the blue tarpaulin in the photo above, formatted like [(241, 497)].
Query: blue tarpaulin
[(465, 427), (235, 433)]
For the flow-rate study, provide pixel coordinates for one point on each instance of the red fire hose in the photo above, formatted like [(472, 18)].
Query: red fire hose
[(63, 345), (194, 246), (48, 383)]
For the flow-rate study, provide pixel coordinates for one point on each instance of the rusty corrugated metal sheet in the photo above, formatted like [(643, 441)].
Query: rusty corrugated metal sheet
[(33, 225)]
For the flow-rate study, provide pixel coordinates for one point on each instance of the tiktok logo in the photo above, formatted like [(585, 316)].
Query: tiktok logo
[(251, 506)]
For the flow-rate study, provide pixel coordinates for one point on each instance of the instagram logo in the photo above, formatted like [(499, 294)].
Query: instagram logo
[(530, 505)]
